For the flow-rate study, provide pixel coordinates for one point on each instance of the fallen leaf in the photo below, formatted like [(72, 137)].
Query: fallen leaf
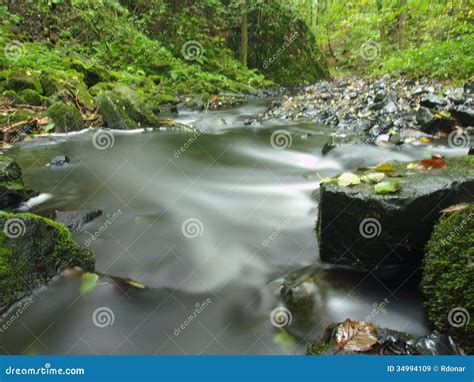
[(455, 208), (412, 166), (348, 179), (383, 167), (432, 164), (89, 282), (395, 175), (389, 187), (424, 140), (373, 177), (357, 336), (327, 180)]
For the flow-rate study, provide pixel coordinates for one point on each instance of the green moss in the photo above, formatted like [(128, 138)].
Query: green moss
[(31, 97), (19, 81), (12, 96), (448, 276), (17, 116), (33, 258), (65, 116)]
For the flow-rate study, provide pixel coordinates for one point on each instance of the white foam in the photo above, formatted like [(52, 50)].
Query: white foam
[(33, 202)]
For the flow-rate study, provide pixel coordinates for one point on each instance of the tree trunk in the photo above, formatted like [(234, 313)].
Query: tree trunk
[(244, 45), (401, 24), (382, 25)]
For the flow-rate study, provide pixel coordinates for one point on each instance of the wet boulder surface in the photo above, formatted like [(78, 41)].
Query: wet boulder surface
[(32, 251), (75, 220), (371, 231), (12, 188)]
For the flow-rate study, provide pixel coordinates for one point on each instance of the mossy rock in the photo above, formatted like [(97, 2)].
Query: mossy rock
[(32, 251), (12, 187), (100, 88), (13, 97), (65, 116), (17, 116), (31, 97), (51, 84), (21, 81), (93, 74), (448, 277), (122, 109)]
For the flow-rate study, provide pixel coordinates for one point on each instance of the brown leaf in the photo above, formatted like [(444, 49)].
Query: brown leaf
[(432, 164), (357, 336), (455, 208)]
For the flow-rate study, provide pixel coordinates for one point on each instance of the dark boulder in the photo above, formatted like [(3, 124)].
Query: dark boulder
[(12, 187), (32, 251), (379, 232), (464, 115), (424, 116)]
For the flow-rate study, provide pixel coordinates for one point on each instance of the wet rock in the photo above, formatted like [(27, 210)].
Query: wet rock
[(424, 116), (464, 115), (75, 220), (389, 342), (65, 116), (376, 232), (59, 161), (33, 250), (12, 187), (122, 109), (469, 87), (433, 101), (457, 100)]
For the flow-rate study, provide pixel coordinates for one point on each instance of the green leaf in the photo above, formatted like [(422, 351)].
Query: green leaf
[(48, 127), (387, 187), (89, 282), (284, 340), (348, 179)]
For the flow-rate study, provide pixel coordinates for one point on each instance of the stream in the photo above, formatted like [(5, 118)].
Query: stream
[(210, 223)]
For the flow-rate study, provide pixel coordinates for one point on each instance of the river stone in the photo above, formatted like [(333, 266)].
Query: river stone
[(433, 101), (464, 115), (390, 342), (12, 188), (371, 232), (65, 116), (75, 220), (32, 251), (59, 161)]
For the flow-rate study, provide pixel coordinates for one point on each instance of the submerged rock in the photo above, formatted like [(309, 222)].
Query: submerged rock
[(74, 220), (32, 251), (12, 187), (376, 227), (59, 161), (448, 276)]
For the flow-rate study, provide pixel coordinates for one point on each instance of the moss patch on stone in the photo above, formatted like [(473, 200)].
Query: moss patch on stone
[(32, 251), (65, 116), (448, 277)]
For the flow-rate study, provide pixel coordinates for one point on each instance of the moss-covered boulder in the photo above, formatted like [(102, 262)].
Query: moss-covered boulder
[(19, 81), (381, 226), (17, 116), (65, 116), (31, 97), (51, 84), (448, 277), (122, 109), (93, 74), (12, 187), (32, 251)]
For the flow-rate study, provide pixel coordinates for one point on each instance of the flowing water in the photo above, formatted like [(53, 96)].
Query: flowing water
[(205, 221)]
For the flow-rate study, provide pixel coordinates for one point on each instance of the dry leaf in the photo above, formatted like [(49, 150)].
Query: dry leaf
[(348, 179), (357, 336), (432, 164), (455, 208)]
